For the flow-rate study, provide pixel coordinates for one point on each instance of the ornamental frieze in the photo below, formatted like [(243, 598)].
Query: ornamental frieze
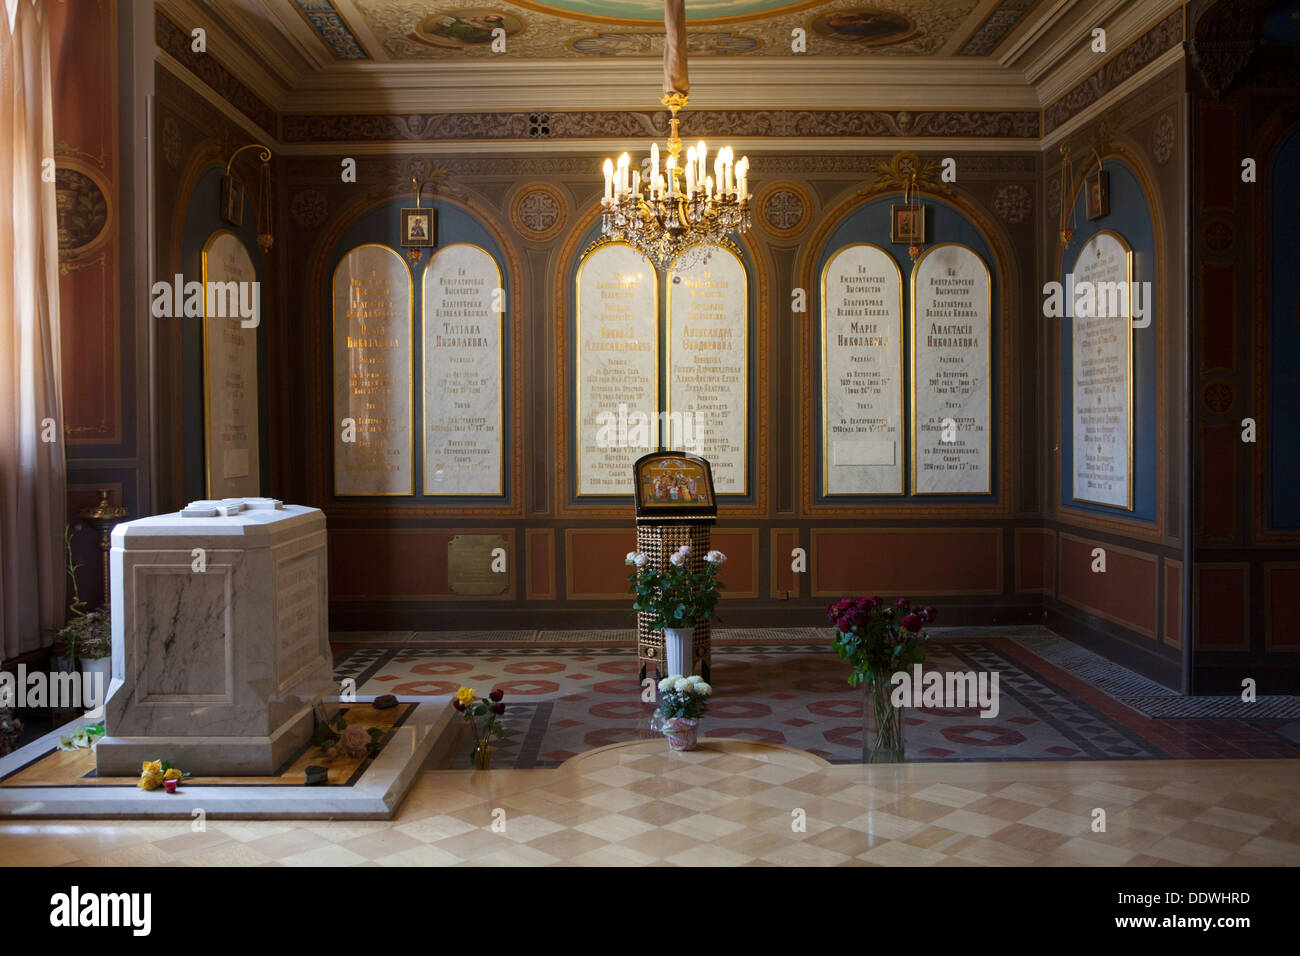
[(1145, 49), (354, 127)]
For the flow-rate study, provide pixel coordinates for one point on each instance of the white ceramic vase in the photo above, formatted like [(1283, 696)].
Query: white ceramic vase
[(678, 648), (102, 666)]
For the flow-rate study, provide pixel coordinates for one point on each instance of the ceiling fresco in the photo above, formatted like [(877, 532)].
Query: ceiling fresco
[(413, 30)]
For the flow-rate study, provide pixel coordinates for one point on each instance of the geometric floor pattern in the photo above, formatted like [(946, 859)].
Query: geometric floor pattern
[(564, 701), (735, 803)]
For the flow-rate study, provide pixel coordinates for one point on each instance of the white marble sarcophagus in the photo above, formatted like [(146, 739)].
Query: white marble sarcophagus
[(220, 638)]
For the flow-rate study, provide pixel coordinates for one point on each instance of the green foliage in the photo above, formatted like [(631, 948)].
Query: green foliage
[(692, 701), (676, 597), (87, 635)]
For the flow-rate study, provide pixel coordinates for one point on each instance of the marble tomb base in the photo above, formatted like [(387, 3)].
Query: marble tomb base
[(421, 742), (220, 638)]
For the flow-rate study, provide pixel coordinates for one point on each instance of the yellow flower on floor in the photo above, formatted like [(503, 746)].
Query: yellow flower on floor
[(151, 765), (466, 696), (172, 774), (151, 779)]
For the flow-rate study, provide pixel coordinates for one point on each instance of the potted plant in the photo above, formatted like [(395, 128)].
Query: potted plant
[(682, 702), (86, 640), (879, 640), (677, 599), (470, 707)]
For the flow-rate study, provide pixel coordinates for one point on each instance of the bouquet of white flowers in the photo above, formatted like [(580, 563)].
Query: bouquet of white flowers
[(683, 696), (676, 597), (682, 702)]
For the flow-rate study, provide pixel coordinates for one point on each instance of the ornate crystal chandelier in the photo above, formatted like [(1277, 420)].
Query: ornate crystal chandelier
[(681, 210)]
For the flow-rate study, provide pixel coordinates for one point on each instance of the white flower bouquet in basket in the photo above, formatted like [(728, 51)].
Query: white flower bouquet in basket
[(682, 702)]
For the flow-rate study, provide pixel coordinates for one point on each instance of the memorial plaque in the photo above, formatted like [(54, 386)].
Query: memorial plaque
[(230, 425), (951, 373), (470, 564), (708, 366), (617, 369), (464, 378), (373, 299), (862, 373), (1101, 350)]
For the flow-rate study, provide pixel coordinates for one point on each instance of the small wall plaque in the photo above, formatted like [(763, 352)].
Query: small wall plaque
[(470, 564)]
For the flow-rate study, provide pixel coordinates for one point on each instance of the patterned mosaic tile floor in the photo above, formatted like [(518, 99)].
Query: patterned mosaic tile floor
[(788, 688), (732, 804)]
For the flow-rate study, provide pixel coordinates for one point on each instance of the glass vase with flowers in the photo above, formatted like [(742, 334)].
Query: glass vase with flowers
[(878, 639)]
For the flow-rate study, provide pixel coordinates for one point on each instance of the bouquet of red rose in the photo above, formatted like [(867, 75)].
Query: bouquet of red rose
[(878, 639)]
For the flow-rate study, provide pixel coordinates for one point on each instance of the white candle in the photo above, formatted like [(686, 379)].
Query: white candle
[(609, 181), (622, 175), (701, 154), (654, 159), (690, 172), (671, 167)]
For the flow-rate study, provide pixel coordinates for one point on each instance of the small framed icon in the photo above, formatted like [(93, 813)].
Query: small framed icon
[(907, 224), (419, 227), (1097, 191), (232, 201)]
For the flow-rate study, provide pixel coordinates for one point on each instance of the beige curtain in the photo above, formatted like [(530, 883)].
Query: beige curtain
[(32, 480)]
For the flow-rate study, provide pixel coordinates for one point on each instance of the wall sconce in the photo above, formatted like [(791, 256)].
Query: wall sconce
[(1096, 185), (232, 197)]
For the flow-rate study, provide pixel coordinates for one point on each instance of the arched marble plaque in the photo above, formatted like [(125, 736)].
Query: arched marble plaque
[(463, 302), (952, 410), (862, 373), (617, 367), (1101, 353), (708, 367), (373, 300), (230, 423)]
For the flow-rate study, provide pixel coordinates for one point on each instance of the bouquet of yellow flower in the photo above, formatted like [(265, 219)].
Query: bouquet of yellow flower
[(158, 773), (470, 705)]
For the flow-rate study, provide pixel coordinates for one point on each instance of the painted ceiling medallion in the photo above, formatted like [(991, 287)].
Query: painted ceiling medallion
[(864, 27), (457, 29)]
